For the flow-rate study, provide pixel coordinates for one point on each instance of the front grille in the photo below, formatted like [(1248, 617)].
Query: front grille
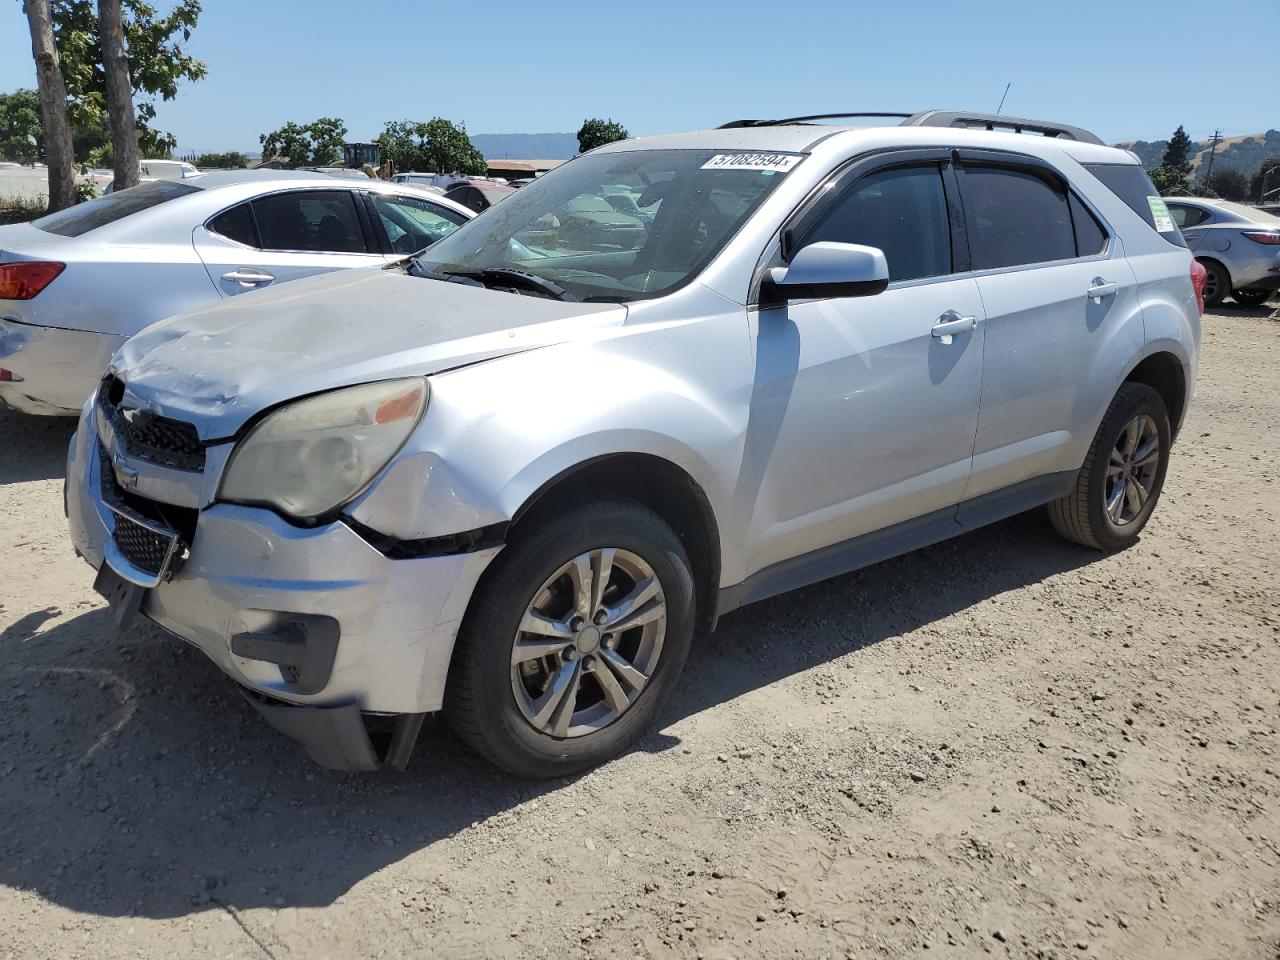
[(149, 436), (143, 547)]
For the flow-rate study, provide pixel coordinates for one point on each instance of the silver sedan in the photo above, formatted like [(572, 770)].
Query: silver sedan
[(76, 284), (1239, 246)]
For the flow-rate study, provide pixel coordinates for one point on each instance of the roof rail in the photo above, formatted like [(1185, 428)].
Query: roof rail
[(817, 116), (995, 121)]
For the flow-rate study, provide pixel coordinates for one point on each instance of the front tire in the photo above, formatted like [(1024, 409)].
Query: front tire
[(1117, 488), (573, 641)]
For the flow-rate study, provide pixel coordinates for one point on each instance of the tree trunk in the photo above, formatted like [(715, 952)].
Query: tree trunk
[(59, 152), (115, 64)]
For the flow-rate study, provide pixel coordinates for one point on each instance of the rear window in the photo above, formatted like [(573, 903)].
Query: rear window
[(1130, 183), (83, 217)]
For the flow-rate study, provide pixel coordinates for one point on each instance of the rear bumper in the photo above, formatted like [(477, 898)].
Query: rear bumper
[(58, 368)]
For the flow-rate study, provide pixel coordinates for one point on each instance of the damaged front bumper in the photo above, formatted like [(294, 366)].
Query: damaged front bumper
[(320, 629), (52, 369)]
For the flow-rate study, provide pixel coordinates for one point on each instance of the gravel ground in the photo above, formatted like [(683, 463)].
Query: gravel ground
[(1001, 745)]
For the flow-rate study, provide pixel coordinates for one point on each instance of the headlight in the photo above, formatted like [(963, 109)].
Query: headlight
[(316, 454)]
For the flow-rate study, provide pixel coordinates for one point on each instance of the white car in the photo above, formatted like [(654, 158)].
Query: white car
[(76, 284)]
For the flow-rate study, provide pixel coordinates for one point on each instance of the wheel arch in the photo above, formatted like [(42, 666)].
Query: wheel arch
[(661, 485), (1167, 375)]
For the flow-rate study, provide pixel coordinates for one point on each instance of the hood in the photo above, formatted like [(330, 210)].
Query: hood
[(219, 365)]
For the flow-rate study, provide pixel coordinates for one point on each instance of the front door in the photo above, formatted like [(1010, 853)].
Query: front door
[(864, 414)]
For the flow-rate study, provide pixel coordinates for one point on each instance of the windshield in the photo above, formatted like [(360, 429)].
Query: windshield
[(616, 226)]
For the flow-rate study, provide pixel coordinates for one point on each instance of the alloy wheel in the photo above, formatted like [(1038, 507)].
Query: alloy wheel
[(588, 643), (1132, 469)]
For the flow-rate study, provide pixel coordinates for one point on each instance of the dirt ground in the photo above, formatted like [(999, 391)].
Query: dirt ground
[(1001, 745)]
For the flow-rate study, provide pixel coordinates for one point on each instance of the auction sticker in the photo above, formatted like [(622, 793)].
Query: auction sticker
[(765, 162), (1164, 222)]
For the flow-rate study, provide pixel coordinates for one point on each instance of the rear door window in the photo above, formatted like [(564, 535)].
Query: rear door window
[(1130, 183), (320, 221), (83, 217), (1015, 217), (1185, 216), (236, 224), (903, 211)]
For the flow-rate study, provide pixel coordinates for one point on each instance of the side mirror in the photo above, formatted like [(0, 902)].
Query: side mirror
[(827, 270)]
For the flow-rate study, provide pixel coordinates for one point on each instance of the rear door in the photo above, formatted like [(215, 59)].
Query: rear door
[(285, 235), (1057, 292)]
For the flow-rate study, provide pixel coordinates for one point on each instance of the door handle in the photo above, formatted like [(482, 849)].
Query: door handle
[(249, 277), (951, 323), (1101, 288)]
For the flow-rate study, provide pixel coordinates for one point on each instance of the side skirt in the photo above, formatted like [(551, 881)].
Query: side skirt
[(850, 555)]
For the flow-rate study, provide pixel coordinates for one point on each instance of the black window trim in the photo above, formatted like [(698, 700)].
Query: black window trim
[(1012, 160), (372, 242), (779, 250)]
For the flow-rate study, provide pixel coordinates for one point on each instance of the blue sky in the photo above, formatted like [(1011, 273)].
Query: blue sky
[(1123, 68)]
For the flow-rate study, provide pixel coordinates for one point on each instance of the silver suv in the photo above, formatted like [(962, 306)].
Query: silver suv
[(511, 477)]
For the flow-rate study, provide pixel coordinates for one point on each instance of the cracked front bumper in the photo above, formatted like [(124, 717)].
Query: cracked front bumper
[(248, 571)]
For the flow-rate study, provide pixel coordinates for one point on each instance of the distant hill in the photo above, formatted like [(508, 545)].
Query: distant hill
[(1244, 153), (526, 146)]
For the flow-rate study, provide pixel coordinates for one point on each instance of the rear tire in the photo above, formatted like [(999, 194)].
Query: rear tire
[(564, 696), (1117, 488), (1252, 296), (1217, 284)]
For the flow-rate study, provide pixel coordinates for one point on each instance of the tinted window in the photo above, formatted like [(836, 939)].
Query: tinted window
[(1187, 216), (1130, 183), (412, 224), (236, 224), (83, 217), (1015, 217), (324, 221), (901, 211), (1091, 238)]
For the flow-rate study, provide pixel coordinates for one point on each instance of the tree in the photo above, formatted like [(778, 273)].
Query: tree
[(596, 132), (232, 160), (1229, 184), (1260, 179), (438, 146), (1168, 181), (52, 90), (1177, 155), (115, 66), (21, 136), (313, 144), (158, 62)]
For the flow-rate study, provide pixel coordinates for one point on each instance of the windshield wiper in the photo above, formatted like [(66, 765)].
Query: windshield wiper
[(499, 276), (532, 281)]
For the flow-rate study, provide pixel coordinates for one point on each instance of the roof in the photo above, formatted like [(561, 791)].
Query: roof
[(222, 178)]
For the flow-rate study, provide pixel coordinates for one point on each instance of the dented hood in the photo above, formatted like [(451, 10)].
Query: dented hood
[(219, 365)]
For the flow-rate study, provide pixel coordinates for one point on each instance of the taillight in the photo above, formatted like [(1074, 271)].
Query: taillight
[(22, 281), (1199, 275), (1269, 239)]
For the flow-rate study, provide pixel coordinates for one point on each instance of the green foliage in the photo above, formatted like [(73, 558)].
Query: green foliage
[(86, 190), (1177, 155), (1168, 181), (231, 160), (313, 144), (437, 146), (1229, 185), (21, 135), (1259, 179), (158, 63), (21, 209), (596, 132)]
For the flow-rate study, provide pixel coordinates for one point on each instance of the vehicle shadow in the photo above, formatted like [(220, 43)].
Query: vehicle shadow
[(135, 781), (33, 448)]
